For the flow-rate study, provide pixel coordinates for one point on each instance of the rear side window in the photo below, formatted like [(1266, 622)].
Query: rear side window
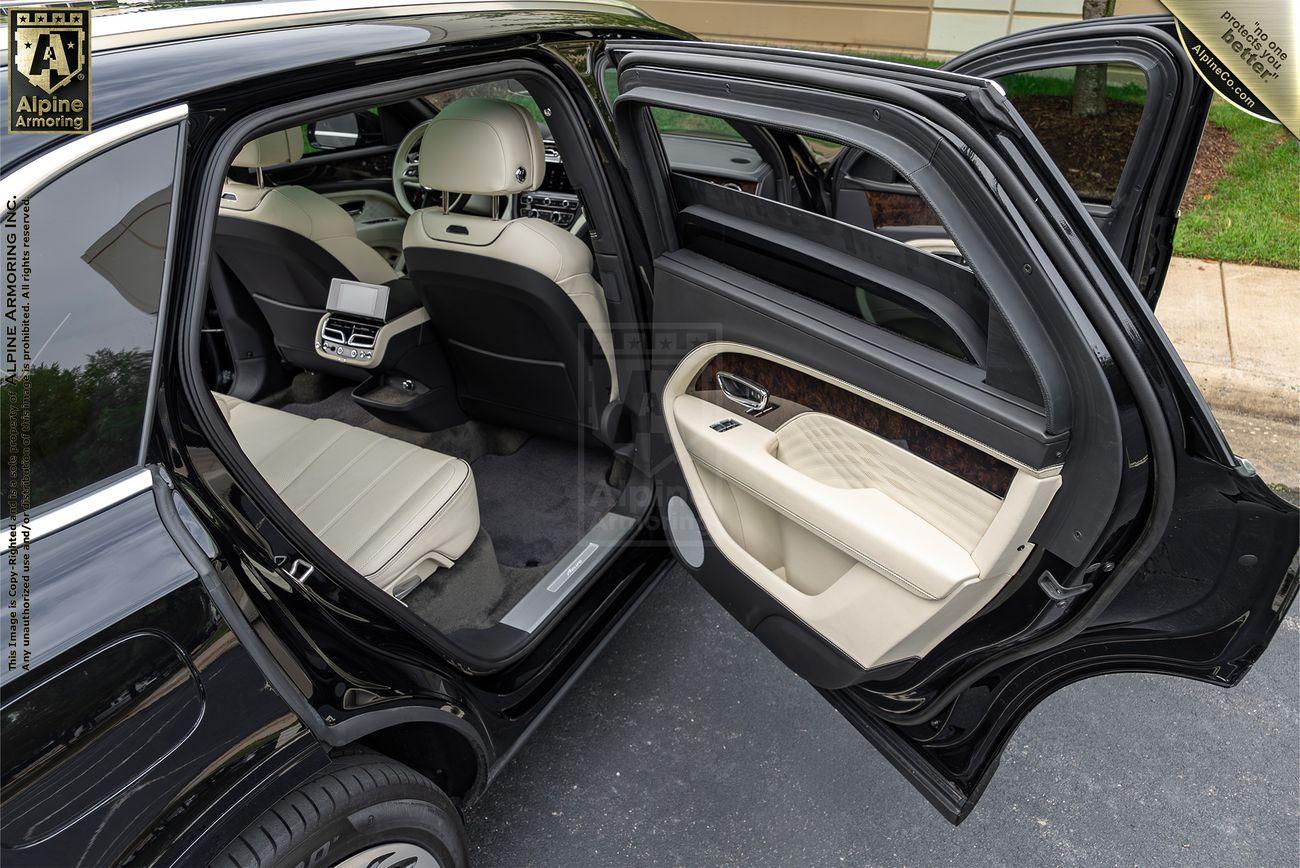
[(93, 243), (1086, 117), (675, 121)]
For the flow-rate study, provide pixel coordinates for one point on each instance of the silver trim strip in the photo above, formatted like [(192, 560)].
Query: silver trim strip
[(567, 575), (30, 177), (85, 506)]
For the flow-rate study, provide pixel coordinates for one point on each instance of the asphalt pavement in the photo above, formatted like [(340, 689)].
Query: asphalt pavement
[(687, 743)]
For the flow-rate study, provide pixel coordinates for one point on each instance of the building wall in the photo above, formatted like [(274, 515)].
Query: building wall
[(929, 28)]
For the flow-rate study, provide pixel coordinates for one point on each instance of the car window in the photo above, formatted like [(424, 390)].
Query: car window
[(823, 150), (913, 281), (675, 121), (1086, 118), (734, 166), (507, 89), (681, 123), (96, 245)]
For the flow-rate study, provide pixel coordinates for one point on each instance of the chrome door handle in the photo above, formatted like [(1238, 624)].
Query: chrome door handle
[(746, 393)]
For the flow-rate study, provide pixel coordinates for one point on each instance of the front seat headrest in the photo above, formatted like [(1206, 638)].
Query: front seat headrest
[(271, 149), (488, 147)]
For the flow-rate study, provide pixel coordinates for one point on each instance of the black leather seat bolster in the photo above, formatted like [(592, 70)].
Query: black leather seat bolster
[(522, 353), (402, 297)]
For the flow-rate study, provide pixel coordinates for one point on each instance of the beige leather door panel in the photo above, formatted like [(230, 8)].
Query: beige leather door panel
[(882, 541)]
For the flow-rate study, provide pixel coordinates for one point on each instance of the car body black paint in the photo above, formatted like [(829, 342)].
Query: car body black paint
[(113, 768), (118, 577), (360, 671)]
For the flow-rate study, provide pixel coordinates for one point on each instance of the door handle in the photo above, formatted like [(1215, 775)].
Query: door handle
[(746, 393)]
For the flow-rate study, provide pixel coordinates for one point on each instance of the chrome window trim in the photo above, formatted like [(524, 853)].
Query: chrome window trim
[(83, 507), (130, 27), (30, 177)]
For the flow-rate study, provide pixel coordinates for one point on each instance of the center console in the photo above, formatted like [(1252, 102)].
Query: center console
[(355, 329), (559, 208), (409, 383), (556, 200)]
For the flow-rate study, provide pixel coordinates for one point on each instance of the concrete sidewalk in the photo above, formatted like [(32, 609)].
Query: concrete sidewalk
[(1237, 327)]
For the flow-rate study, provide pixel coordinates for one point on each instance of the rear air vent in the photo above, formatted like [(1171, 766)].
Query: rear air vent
[(350, 332)]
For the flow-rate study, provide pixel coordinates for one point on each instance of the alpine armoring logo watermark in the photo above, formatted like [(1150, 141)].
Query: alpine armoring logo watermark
[(49, 72)]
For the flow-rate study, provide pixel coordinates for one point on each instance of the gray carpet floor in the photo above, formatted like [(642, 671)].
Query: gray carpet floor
[(537, 497), (534, 505), (538, 501), (475, 593)]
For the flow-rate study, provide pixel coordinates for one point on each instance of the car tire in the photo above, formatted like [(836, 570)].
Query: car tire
[(362, 809)]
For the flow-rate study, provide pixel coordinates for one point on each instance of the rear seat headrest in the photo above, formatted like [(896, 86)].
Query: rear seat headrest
[(272, 149), (481, 146)]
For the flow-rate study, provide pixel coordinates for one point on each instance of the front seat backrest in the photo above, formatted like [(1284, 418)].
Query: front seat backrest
[(525, 322), (285, 244)]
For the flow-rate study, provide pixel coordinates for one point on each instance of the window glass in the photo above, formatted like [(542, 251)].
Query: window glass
[(823, 150), (1086, 117), (97, 244), (914, 284), (506, 89), (675, 121)]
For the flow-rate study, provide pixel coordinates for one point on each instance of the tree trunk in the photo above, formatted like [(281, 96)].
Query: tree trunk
[(1090, 79)]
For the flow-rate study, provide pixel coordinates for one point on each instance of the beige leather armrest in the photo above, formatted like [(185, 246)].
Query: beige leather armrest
[(865, 523)]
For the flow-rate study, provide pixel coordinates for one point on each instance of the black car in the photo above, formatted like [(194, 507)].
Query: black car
[(366, 367)]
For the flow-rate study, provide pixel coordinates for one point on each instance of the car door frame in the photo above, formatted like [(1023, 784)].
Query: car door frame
[(113, 582), (906, 715), (1140, 220)]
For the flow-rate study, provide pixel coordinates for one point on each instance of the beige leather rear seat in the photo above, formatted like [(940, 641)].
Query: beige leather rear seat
[(393, 511)]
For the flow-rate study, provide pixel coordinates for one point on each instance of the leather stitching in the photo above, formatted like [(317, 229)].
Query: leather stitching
[(821, 532), (454, 499), (344, 469), (402, 531)]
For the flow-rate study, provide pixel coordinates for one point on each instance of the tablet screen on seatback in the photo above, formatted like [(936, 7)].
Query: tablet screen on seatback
[(369, 300)]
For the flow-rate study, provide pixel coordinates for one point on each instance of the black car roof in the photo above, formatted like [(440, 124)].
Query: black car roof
[(159, 57), (114, 25)]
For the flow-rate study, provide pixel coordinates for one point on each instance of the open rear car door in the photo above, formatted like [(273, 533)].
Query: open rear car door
[(937, 489)]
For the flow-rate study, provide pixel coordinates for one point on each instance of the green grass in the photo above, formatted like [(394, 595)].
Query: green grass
[(1023, 85), (1253, 213), (675, 121), (898, 58)]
